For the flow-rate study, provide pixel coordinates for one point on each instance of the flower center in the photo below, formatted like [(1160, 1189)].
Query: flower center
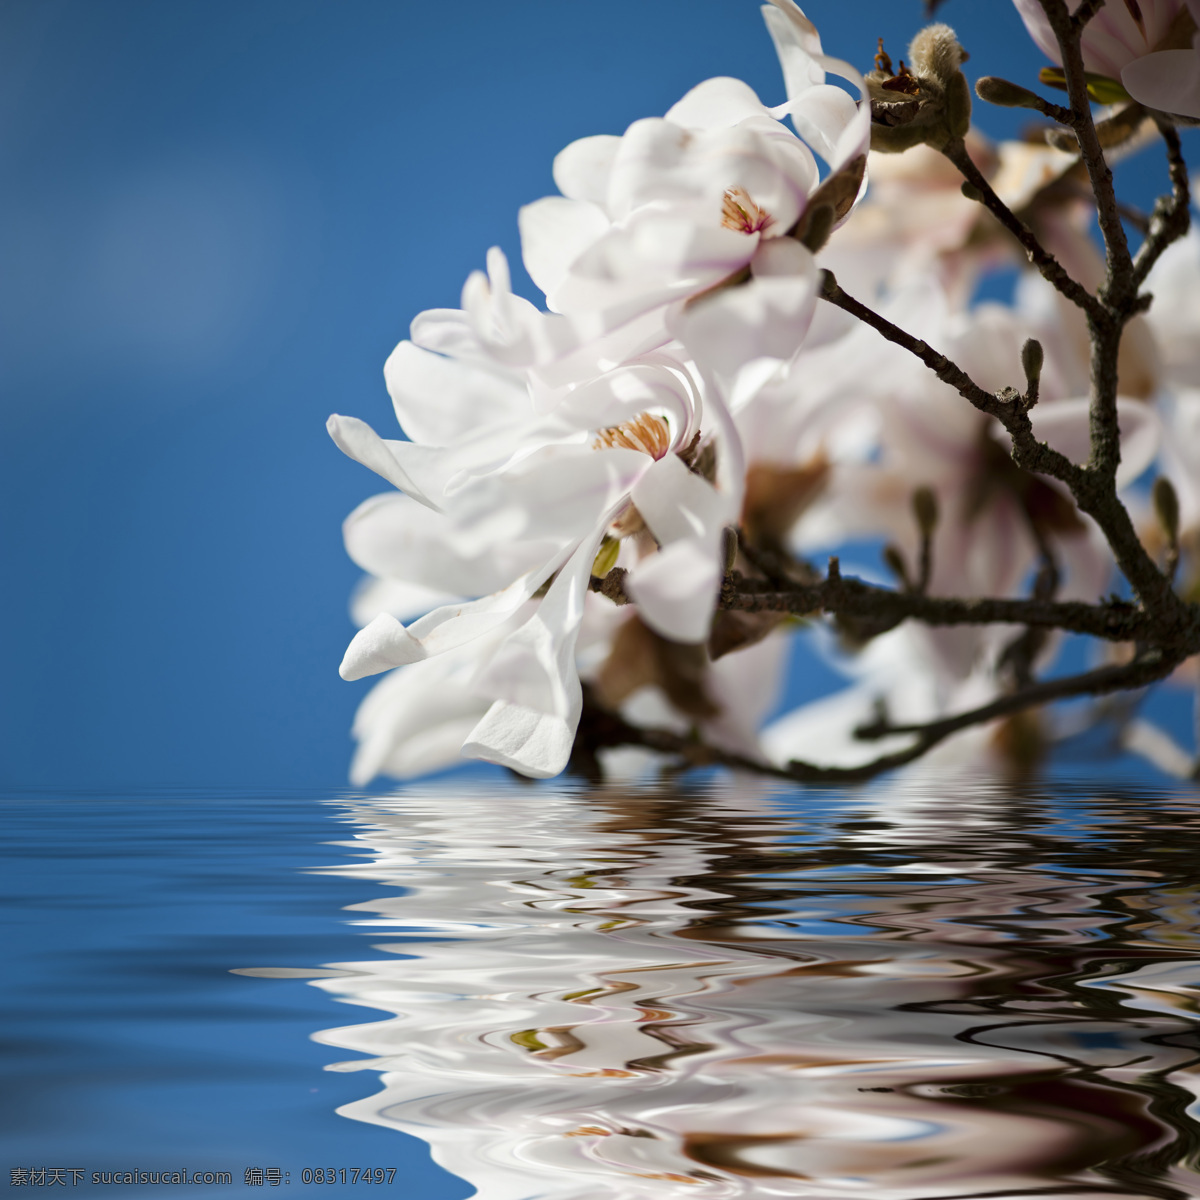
[(651, 435), (740, 213)]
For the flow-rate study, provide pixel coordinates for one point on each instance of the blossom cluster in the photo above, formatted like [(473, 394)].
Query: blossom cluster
[(580, 488)]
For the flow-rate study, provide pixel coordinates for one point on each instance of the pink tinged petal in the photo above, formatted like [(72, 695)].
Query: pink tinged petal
[(555, 231), (1168, 81), (829, 120), (676, 590), (1038, 26), (716, 104), (583, 169), (797, 43), (440, 400), (357, 440)]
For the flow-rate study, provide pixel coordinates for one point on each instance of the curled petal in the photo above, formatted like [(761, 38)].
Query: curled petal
[(532, 723), (534, 743), (386, 643), (357, 440)]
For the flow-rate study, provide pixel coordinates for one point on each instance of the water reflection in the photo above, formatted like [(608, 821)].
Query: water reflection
[(726, 994)]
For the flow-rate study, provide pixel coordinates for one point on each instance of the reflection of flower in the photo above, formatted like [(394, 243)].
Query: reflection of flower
[(662, 996)]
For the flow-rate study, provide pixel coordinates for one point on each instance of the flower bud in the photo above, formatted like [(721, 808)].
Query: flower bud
[(1032, 357), (1166, 506), (925, 509), (928, 103), (994, 90)]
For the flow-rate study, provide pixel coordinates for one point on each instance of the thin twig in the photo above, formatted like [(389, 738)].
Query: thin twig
[(1171, 217), (1067, 29), (1086, 11), (601, 729), (1139, 673), (1051, 269), (1008, 407)]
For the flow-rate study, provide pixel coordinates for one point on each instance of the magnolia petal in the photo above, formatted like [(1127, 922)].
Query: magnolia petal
[(677, 504), (1039, 28), (732, 330), (357, 440), (440, 400), (1168, 80), (582, 169), (413, 721), (676, 589), (555, 231), (395, 538), (649, 260), (531, 726), (534, 743), (797, 43), (403, 600), (716, 104), (385, 643), (829, 120)]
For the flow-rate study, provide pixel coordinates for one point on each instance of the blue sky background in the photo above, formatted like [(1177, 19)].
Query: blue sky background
[(217, 220)]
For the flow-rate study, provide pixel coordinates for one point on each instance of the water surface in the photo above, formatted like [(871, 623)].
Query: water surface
[(919, 991)]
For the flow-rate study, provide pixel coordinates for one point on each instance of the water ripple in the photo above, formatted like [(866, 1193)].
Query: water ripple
[(734, 994)]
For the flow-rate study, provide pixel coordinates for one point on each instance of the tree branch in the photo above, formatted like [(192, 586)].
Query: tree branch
[(846, 596), (1146, 669), (1049, 267), (1008, 407), (1119, 283), (1171, 218)]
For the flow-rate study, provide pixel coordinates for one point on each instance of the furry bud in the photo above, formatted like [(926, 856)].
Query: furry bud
[(927, 103), (994, 90)]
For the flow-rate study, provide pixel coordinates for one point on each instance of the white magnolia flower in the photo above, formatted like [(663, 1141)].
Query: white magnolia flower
[(1151, 46), (701, 206), (516, 505), (1174, 318)]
